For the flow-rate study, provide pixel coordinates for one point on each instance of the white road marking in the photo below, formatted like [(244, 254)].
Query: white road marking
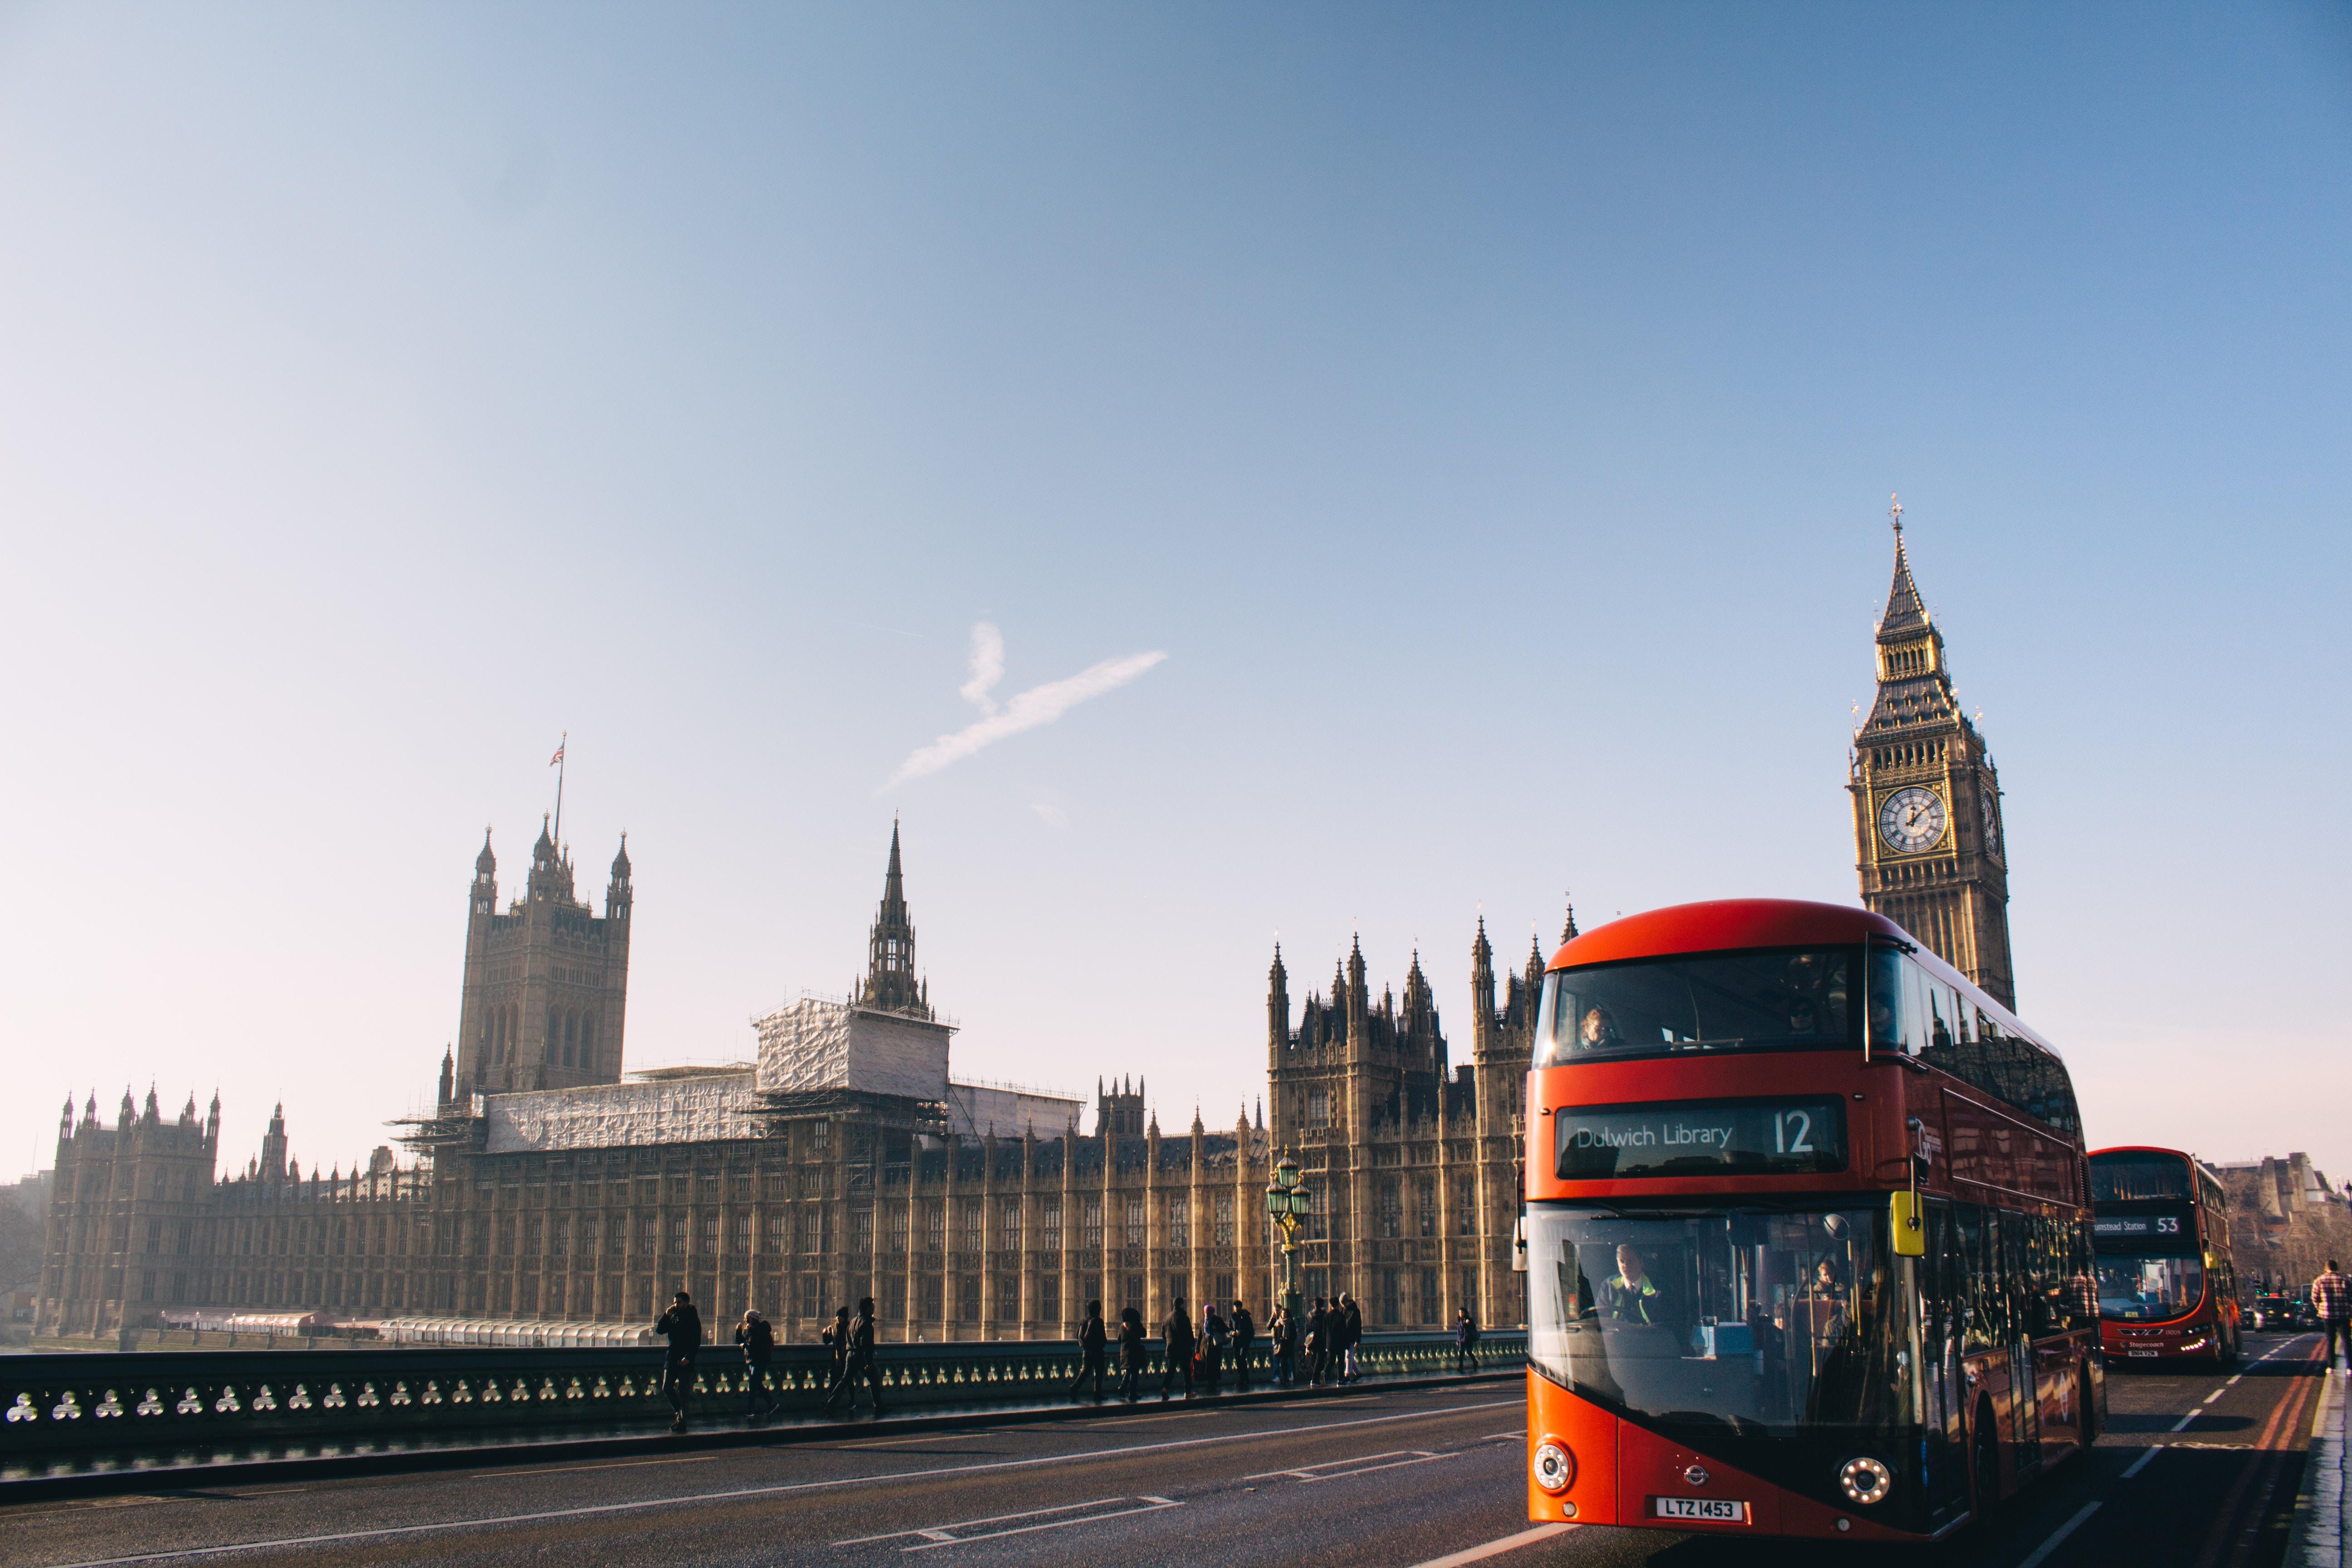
[(2182, 1424), (1359, 1464), (1499, 1436), (2141, 1463), (2043, 1552), (946, 1535), (2217, 1394), (1469, 1554), (778, 1489)]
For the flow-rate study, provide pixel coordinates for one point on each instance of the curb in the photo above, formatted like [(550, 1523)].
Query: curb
[(245, 1472), (2320, 1506)]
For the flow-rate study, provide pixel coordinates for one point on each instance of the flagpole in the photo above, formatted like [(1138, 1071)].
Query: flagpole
[(560, 747)]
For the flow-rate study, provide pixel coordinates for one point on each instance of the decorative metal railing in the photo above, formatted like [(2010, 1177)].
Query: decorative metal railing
[(71, 1405)]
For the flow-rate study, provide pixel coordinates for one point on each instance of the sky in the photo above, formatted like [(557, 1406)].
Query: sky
[(1205, 471)]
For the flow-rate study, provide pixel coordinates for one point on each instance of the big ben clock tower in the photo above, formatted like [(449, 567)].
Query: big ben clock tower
[(1927, 802)]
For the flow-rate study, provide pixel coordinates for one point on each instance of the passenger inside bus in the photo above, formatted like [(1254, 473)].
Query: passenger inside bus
[(1599, 1033)]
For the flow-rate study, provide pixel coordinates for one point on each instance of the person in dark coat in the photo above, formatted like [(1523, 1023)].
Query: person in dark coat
[(1244, 1336), (682, 1327), (1176, 1339), (1091, 1348), (1134, 1344), (1351, 1334), (1319, 1329), (859, 1364), (1216, 1337), (1282, 1336), (1465, 1342), (758, 1342), (836, 1341)]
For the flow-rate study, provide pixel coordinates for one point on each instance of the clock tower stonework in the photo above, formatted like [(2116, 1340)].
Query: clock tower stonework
[(1927, 827)]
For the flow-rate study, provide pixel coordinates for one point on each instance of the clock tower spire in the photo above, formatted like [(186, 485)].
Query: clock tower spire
[(1928, 828)]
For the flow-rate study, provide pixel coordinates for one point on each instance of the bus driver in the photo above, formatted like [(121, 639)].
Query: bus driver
[(1631, 1296), (1599, 1031)]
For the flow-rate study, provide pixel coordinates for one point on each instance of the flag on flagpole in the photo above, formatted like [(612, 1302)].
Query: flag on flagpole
[(553, 761)]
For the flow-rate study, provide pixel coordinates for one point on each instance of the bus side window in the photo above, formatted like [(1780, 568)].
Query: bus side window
[(1893, 1005)]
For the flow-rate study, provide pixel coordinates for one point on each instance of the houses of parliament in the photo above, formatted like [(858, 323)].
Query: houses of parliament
[(549, 1186)]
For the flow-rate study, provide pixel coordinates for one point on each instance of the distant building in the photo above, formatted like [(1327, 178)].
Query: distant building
[(550, 1185), (2288, 1220)]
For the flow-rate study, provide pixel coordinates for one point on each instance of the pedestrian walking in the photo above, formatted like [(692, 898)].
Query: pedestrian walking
[(682, 1327), (1465, 1342), (1134, 1344), (860, 1362), (1351, 1334), (1091, 1347), (1282, 1335), (1216, 1339), (1177, 1340), (1319, 1342), (836, 1341), (1245, 1333), (757, 1341), (2331, 1298)]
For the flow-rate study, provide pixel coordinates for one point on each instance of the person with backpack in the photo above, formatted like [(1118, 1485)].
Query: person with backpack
[(860, 1362), (1465, 1342), (682, 1327), (757, 1341), (1351, 1334), (1245, 1333), (1134, 1344), (1091, 1347)]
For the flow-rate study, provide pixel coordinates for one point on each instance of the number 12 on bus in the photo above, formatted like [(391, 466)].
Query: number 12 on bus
[(1808, 1232)]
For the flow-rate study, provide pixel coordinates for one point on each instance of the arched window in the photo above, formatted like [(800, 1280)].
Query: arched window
[(571, 1036), (554, 1034), (588, 1042)]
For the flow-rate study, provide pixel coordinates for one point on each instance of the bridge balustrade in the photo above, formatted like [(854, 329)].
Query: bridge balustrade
[(145, 1401)]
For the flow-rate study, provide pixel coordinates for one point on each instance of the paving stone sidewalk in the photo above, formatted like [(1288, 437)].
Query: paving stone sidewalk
[(2323, 1511)]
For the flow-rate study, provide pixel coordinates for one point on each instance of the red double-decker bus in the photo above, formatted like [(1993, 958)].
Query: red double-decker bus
[(2167, 1289), (1807, 1233)]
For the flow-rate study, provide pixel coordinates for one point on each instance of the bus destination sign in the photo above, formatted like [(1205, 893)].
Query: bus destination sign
[(1737, 1137)]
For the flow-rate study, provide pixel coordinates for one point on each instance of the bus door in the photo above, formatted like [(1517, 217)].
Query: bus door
[(2025, 1397), (1943, 1285)]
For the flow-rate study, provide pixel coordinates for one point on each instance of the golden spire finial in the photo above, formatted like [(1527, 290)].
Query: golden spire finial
[(1894, 510)]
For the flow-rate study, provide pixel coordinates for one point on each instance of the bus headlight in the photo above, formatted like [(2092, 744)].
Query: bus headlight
[(1866, 1481), (1553, 1464)]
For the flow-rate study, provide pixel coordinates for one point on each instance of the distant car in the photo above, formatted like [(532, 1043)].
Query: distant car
[(2269, 1313), (2305, 1316)]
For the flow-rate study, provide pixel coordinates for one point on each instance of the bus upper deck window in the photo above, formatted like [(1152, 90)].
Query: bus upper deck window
[(1891, 1009)]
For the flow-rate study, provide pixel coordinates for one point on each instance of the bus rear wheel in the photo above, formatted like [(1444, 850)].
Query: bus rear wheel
[(1984, 1468)]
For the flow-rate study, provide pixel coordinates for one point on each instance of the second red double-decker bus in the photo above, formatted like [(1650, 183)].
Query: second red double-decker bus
[(2167, 1289), (1807, 1233)]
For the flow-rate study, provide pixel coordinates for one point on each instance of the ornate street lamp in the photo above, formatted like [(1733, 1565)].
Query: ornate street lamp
[(1287, 1200)]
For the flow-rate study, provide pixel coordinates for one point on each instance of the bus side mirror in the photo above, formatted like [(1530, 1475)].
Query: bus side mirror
[(1910, 1239)]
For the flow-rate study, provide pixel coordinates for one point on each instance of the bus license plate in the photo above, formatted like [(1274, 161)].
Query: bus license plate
[(1715, 1510), (2139, 1353)]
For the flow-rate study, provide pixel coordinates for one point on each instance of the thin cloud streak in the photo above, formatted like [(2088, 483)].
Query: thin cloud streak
[(987, 667), (1037, 706)]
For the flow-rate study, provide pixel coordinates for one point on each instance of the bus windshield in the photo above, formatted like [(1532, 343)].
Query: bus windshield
[(2143, 1289), (1744, 1320), (1757, 1000)]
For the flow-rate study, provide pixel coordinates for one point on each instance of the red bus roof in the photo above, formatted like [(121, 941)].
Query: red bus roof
[(1723, 923)]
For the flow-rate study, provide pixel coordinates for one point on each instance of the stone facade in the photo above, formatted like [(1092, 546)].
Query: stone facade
[(1927, 833), (2286, 1221), (544, 1188)]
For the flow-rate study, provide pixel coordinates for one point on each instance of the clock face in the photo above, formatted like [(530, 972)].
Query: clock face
[(1991, 822), (1912, 819)]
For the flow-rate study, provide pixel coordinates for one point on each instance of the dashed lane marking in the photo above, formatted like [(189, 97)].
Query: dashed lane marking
[(2141, 1463), (1361, 1464), (1479, 1553), (2042, 1553), (779, 1489), (937, 1535)]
